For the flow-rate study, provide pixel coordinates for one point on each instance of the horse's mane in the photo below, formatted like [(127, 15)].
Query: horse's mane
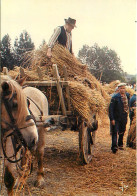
[(21, 98)]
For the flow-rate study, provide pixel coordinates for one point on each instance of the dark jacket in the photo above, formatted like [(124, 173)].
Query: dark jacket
[(62, 38), (132, 103), (116, 108)]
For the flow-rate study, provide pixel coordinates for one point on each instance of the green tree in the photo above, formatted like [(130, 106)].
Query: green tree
[(21, 46), (103, 62), (7, 59)]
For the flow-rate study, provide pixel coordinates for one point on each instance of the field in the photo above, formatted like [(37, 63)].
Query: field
[(108, 174)]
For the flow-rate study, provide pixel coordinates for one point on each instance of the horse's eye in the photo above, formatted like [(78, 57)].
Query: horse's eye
[(15, 105)]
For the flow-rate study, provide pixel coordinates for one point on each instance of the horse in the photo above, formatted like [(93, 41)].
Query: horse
[(18, 129), (38, 105)]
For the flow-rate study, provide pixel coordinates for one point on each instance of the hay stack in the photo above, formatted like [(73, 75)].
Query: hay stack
[(87, 94), (61, 56), (131, 139)]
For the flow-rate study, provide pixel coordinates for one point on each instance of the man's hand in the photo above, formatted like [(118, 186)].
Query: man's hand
[(113, 122), (49, 53)]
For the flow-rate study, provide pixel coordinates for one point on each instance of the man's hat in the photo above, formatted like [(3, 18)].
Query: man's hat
[(122, 84), (71, 21)]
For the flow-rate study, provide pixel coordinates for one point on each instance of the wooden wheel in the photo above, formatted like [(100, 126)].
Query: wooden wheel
[(86, 143)]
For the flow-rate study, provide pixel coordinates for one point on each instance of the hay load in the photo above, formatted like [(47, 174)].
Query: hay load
[(131, 139), (86, 93), (61, 56)]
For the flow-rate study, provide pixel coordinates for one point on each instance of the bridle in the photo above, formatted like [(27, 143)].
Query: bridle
[(17, 139)]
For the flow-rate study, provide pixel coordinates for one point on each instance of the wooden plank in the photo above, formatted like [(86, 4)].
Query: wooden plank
[(68, 113), (45, 83), (59, 89), (44, 118), (67, 87), (5, 70)]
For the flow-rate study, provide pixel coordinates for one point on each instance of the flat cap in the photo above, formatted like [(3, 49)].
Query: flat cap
[(122, 84)]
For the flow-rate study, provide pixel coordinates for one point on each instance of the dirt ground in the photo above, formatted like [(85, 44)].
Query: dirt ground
[(107, 175)]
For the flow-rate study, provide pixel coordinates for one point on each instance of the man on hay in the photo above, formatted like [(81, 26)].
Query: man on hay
[(62, 35)]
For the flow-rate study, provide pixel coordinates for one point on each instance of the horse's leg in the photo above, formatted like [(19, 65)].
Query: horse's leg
[(40, 155), (9, 180)]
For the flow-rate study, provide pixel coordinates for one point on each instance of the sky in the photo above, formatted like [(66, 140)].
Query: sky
[(108, 23)]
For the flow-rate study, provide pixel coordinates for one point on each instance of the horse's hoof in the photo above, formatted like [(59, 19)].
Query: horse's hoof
[(39, 183)]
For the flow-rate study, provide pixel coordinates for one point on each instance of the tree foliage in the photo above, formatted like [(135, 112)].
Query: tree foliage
[(11, 56), (21, 46), (7, 59), (103, 62)]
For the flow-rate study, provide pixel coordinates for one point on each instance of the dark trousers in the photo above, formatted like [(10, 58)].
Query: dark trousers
[(118, 129)]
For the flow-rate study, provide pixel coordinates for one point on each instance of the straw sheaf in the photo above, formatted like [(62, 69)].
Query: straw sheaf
[(62, 56), (86, 101), (130, 91), (132, 133), (110, 88), (32, 74)]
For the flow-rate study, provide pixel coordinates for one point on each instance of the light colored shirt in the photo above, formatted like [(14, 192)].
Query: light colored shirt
[(55, 36)]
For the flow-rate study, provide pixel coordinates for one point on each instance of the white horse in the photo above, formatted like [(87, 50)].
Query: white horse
[(38, 105), (18, 129)]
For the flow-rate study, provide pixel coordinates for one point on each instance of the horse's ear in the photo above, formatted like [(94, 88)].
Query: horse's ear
[(22, 80)]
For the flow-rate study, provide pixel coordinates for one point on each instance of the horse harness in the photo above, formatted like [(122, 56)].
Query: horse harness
[(16, 136)]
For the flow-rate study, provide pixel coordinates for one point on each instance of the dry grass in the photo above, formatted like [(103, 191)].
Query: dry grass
[(130, 91), (108, 174), (131, 139), (110, 89), (86, 101)]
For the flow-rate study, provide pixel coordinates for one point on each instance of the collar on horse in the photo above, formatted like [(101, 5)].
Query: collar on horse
[(16, 136)]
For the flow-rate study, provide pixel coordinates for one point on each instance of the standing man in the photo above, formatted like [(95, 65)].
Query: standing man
[(118, 112), (63, 36)]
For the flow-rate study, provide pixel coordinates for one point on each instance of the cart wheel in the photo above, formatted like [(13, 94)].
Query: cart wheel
[(86, 144)]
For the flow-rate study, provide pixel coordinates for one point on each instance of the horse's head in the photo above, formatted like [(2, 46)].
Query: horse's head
[(15, 112)]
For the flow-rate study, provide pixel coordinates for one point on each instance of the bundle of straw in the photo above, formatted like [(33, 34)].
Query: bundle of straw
[(130, 91), (110, 88), (131, 139), (32, 75), (86, 101)]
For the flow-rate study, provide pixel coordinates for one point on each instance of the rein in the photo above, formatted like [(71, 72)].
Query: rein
[(41, 112), (16, 136)]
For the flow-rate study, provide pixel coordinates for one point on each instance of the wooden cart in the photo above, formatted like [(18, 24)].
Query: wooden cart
[(64, 118)]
